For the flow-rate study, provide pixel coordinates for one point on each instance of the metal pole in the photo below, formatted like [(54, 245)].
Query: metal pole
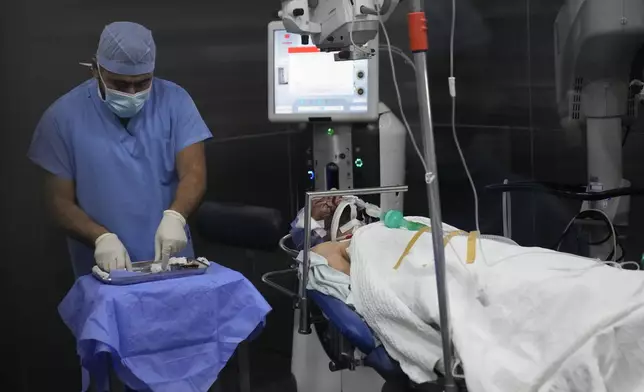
[(359, 192), (507, 212), (305, 322), (243, 358), (433, 194)]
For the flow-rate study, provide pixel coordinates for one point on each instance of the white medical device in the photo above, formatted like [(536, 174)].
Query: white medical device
[(338, 26), (358, 142), (595, 44), (307, 84)]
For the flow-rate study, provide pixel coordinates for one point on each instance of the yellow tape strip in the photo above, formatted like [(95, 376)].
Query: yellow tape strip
[(411, 244), (471, 247), (471, 244)]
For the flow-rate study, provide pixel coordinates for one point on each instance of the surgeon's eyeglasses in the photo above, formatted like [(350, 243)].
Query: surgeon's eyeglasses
[(125, 86), (128, 86)]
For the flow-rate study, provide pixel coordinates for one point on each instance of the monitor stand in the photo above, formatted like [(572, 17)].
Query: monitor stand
[(332, 156)]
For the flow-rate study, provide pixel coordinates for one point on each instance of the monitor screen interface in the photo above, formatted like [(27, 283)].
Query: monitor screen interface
[(311, 82)]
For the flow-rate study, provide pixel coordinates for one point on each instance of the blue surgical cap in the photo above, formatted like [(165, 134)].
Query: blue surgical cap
[(126, 48)]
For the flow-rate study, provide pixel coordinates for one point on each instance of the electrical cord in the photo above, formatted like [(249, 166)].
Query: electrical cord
[(400, 53), (563, 235), (600, 242), (636, 264), (398, 96), (457, 369), (604, 240), (586, 214), (452, 91), (621, 248), (452, 88)]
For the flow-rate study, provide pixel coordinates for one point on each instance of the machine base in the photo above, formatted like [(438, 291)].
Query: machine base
[(310, 367)]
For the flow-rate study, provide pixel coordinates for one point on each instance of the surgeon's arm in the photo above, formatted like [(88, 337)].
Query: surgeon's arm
[(191, 168), (62, 198)]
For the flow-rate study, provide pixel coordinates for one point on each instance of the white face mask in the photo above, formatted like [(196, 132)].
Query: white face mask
[(123, 104)]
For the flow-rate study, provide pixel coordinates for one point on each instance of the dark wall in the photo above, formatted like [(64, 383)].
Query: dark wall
[(506, 117), (506, 113)]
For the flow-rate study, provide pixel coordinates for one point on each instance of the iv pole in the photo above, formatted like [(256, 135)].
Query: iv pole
[(419, 47)]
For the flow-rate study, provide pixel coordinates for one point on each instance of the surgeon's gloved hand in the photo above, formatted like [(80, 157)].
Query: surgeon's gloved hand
[(170, 238), (110, 253)]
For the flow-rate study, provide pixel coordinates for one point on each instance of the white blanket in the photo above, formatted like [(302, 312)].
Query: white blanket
[(523, 319)]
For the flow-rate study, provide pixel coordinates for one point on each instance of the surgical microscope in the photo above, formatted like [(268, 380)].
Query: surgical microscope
[(598, 88)]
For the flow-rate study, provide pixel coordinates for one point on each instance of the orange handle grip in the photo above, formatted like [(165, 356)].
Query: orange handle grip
[(418, 32)]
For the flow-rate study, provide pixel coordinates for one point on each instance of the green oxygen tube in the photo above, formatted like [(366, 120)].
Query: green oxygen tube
[(395, 220)]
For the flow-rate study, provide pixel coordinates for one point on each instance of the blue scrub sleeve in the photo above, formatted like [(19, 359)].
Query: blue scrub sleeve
[(49, 148), (190, 127)]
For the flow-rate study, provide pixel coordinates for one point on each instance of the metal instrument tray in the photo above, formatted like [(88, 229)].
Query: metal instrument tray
[(141, 273)]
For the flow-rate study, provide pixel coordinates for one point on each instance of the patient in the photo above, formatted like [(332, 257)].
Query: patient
[(546, 324)]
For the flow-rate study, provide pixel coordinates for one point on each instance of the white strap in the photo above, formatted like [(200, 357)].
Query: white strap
[(335, 222), (316, 226), (350, 225), (370, 209)]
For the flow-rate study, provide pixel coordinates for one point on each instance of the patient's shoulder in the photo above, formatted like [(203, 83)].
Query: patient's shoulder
[(331, 248), (335, 255)]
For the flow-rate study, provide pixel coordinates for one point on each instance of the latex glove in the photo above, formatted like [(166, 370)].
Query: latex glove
[(170, 238), (110, 253)]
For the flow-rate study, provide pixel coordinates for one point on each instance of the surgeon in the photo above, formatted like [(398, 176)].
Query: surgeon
[(124, 158)]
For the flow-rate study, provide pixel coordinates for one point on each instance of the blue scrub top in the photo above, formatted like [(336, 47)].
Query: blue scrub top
[(125, 176)]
